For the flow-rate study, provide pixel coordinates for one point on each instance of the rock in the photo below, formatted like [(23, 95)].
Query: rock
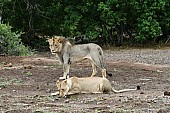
[(167, 93), (48, 90), (159, 71), (142, 92), (163, 111), (8, 65), (66, 101), (28, 66)]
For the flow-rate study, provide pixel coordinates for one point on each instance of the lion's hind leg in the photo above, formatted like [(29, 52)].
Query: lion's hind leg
[(104, 73), (94, 67), (97, 61)]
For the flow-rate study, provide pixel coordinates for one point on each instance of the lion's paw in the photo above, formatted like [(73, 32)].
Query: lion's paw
[(62, 78)]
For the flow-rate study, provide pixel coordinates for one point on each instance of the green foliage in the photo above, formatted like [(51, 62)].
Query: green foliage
[(10, 42), (28, 73), (148, 28), (4, 83), (71, 21), (5, 1), (141, 20)]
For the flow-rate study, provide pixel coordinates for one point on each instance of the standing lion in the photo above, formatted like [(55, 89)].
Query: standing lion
[(68, 53)]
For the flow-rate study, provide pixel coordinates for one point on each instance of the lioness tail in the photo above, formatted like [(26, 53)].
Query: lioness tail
[(125, 90)]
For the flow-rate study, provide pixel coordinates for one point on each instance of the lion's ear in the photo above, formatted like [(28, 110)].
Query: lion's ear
[(60, 40), (47, 39)]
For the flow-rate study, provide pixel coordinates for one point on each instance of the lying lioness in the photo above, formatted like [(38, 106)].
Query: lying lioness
[(75, 85), (68, 53)]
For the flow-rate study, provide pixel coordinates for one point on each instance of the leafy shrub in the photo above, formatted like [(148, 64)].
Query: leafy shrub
[(148, 28), (10, 43)]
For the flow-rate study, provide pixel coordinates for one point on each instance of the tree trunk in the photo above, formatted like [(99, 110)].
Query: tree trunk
[(0, 13), (120, 35)]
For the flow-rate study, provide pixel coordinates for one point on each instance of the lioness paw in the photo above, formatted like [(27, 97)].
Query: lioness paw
[(56, 93)]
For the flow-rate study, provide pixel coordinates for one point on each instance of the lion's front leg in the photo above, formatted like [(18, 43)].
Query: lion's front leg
[(66, 68), (59, 59)]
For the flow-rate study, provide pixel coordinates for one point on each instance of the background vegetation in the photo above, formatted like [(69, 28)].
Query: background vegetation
[(113, 22), (10, 43)]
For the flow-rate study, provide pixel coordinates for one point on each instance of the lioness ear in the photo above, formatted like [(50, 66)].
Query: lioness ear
[(57, 82), (65, 81)]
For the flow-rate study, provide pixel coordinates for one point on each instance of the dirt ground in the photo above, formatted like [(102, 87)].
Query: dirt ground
[(27, 82)]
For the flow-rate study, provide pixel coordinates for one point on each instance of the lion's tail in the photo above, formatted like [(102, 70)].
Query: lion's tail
[(100, 52), (102, 62), (125, 90), (110, 74)]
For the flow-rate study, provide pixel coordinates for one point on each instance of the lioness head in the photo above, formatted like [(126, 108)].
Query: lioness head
[(62, 87), (55, 44)]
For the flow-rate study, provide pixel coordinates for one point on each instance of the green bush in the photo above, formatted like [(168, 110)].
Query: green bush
[(10, 43)]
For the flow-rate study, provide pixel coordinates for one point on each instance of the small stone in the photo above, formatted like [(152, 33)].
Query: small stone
[(142, 92), (48, 90), (66, 101), (162, 111), (167, 93), (8, 65), (159, 71), (28, 67)]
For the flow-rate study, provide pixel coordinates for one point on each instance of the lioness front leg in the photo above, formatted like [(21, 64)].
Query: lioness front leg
[(56, 93), (75, 90)]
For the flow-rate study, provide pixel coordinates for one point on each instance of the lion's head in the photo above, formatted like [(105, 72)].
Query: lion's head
[(56, 43), (62, 87)]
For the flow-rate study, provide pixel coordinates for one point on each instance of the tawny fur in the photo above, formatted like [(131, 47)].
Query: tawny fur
[(68, 53), (75, 85)]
